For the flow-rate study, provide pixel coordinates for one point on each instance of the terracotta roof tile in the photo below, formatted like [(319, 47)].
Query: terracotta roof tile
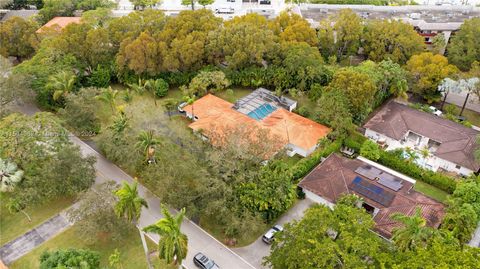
[(216, 114), (58, 23), (331, 179)]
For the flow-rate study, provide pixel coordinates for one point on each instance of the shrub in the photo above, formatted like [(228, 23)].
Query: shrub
[(394, 160), (100, 77), (70, 258), (80, 112), (370, 150), (303, 111), (354, 141)]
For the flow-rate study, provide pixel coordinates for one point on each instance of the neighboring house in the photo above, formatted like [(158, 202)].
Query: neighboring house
[(58, 23), (259, 109), (6, 14), (382, 190), (450, 145)]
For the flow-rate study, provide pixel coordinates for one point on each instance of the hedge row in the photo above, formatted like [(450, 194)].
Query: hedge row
[(355, 141), (305, 165), (393, 160)]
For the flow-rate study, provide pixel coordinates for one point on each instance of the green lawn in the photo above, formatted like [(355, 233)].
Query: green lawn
[(14, 225), (431, 191), (130, 247), (242, 240), (472, 116)]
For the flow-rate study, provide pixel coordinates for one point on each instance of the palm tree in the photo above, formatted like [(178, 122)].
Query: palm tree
[(108, 96), (62, 84), (138, 87), (119, 124), (158, 88), (14, 206), (425, 154), (10, 175), (411, 154), (146, 141), (414, 232), (173, 244), (130, 203)]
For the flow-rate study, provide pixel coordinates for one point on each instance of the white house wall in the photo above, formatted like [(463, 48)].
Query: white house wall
[(317, 199), (433, 163)]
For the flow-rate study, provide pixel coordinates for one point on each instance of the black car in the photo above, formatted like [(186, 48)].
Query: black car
[(204, 262)]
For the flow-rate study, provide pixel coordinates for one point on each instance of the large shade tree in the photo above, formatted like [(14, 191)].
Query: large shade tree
[(340, 36), (291, 27), (325, 238), (391, 39), (427, 72), (18, 37), (463, 49), (242, 42)]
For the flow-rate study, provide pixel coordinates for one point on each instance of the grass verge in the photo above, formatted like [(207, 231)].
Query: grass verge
[(13, 225), (431, 191), (130, 247)]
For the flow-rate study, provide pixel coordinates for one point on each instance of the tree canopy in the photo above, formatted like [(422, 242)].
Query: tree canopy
[(394, 40), (325, 238), (427, 72), (463, 49)]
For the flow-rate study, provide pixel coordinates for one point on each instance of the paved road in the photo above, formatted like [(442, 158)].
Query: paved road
[(475, 242), (459, 98), (22, 245), (255, 252), (198, 239)]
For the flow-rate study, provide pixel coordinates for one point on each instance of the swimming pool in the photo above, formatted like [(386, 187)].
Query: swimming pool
[(262, 111)]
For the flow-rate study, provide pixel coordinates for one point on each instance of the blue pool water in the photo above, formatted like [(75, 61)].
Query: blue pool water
[(262, 111)]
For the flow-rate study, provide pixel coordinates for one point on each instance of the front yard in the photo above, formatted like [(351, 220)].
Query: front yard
[(132, 255), (13, 225)]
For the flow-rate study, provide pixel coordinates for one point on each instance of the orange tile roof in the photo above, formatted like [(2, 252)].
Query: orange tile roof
[(59, 23), (216, 114)]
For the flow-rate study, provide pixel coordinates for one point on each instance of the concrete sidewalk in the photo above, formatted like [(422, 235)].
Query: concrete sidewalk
[(475, 242), (22, 245)]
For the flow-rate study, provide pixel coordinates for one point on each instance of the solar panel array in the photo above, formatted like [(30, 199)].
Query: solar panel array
[(368, 171), (384, 178), (372, 191), (390, 182)]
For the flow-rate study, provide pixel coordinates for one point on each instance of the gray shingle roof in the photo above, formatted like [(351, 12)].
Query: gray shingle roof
[(457, 141)]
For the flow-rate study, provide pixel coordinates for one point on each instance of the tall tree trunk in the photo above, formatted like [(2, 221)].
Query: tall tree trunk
[(464, 103), (444, 99), (145, 248), (193, 5)]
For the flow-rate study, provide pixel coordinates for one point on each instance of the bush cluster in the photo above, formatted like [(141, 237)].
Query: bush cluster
[(393, 160)]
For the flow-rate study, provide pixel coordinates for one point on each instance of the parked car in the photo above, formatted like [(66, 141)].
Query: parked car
[(269, 236), (181, 106), (225, 10), (202, 261), (435, 111)]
